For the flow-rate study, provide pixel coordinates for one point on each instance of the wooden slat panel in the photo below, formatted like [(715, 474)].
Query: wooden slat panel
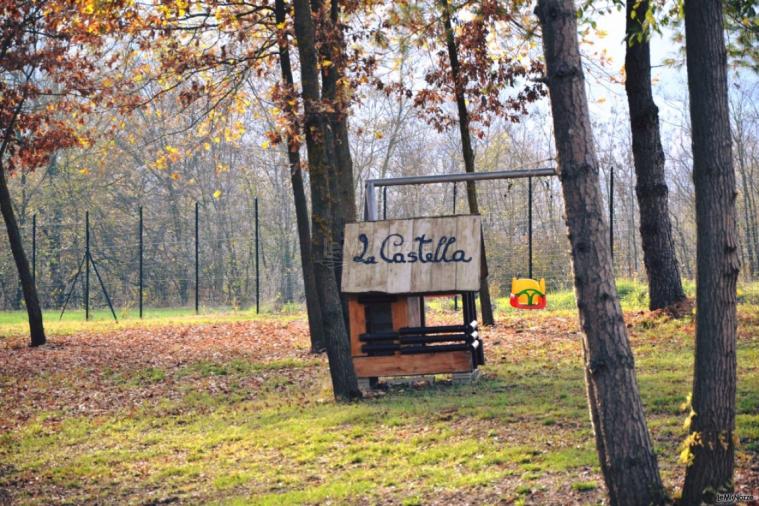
[(400, 313), (443, 274), (357, 323), (397, 268), (468, 231), (398, 275), (409, 365), (414, 316)]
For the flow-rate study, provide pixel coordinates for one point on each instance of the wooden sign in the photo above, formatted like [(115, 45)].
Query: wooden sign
[(422, 255)]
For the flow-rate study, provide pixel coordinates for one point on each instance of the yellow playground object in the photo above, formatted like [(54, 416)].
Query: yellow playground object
[(527, 293)]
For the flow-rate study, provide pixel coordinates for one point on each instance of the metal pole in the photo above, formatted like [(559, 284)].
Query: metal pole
[(197, 260), (34, 248), (141, 266), (258, 286), (87, 259), (371, 202), (455, 297), (384, 203), (105, 292), (611, 212), (529, 226)]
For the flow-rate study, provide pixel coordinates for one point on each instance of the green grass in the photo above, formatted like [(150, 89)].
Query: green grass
[(14, 323), (206, 433)]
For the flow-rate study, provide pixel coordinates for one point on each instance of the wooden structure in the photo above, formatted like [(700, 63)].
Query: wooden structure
[(388, 268)]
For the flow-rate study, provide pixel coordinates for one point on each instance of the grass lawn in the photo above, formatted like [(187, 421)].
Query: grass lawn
[(232, 409)]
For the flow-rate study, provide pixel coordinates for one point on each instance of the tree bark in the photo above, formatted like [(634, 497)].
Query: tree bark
[(664, 285), (624, 445), (344, 381), (332, 49), (717, 255), (468, 155), (28, 287), (315, 322)]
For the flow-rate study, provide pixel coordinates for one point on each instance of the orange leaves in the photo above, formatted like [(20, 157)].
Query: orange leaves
[(91, 373)]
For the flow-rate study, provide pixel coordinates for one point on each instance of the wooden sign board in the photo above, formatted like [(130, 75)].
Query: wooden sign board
[(421, 255)]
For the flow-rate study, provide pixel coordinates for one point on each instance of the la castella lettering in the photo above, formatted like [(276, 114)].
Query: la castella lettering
[(423, 251)]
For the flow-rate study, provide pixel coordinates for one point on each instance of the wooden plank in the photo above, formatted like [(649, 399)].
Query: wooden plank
[(421, 255), (469, 231), (378, 273), (442, 274), (414, 316), (400, 313), (396, 245), (356, 323), (350, 250), (410, 365)]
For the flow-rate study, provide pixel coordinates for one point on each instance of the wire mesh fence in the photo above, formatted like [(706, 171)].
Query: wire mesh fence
[(188, 262), (204, 256)]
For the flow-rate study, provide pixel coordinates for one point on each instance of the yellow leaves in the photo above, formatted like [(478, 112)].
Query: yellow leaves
[(216, 140), (182, 6), (601, 33), (686, 454), (84, 142), (207, 146), (221, 168), (173, 154), (85, 171), (266, 144), (89, 7), (378, 135), (326, 63), (217, 194), (161, 163), (281, 26), (175, 176)]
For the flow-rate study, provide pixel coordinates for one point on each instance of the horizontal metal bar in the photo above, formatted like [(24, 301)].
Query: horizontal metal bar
[(371, 184), (465, 176), (433, 330), (434, 339)]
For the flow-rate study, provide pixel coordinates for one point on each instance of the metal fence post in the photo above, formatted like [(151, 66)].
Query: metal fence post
[(529, 226), (87, 260), (258, 286), (197, 259), (455, 297), (34, 248), (611, 213), (141, 265), (384, 202)]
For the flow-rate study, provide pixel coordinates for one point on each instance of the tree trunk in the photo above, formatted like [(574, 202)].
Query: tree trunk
[(749, 213), (332, 49), (22, 265), (344, 382), (664, 285), (468, 154), (624, 445), (717, 256), (315, 323)]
